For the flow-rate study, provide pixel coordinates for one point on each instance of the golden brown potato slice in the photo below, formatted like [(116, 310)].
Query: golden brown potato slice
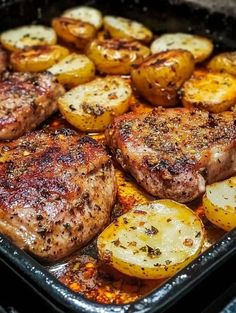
[(116, 56), (160, 76), (200, 47), (211, 91), (27, 36), (225, 62), (73, 31), (92, 106), (85, 14), (38, 58), (220, 203), (121, 28), (152, 240), (73, 70)]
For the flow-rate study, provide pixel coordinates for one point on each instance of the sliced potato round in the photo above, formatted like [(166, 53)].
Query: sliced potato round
[(73, 31), (225, 62), (28, 36), (116, 56), (200, 47), (92, 106), (219, 203), (38, 58), (73, 70), (119, 27), (160, 76), (85, 14), (211, 91), (153, 240)]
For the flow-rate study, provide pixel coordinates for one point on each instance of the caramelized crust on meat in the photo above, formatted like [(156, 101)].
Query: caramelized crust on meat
[(56, 191), (173, 153), (26, 100)]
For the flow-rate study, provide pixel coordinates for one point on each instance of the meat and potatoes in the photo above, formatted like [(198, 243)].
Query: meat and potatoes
[(60, 186)]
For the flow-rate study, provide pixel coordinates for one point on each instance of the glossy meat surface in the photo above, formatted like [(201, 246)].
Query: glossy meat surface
[(26, 100), (174, 153), (57, 189)]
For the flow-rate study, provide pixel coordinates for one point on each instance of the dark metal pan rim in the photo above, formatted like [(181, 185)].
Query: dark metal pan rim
[(158, 300), (59, 296)]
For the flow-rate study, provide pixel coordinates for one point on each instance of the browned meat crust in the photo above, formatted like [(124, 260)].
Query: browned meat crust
[(173, 153), (26, 100), (56, 191)]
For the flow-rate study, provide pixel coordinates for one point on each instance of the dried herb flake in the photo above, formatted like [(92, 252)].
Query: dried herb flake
[(151, 231)]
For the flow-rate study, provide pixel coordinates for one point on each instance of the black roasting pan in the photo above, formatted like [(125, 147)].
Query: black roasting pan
[(160, 16)]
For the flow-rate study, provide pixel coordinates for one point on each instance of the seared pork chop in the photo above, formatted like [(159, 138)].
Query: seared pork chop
[(56, 191), (26, 100), (174, 153)]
